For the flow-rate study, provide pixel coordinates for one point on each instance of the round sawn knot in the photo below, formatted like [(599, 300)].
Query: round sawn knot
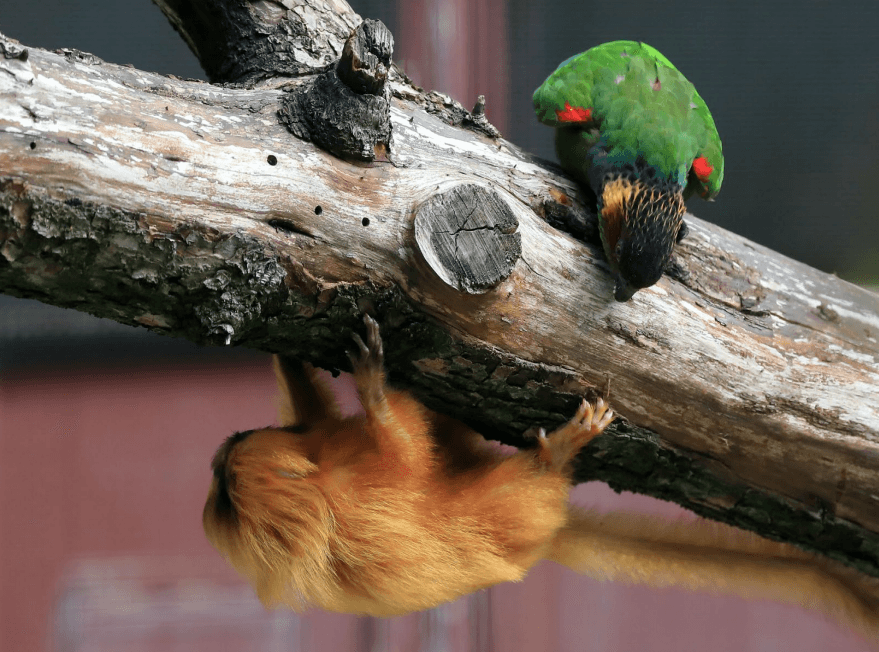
[(468, 235)]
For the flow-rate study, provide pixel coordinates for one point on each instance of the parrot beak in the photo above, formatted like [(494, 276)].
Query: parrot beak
[(622, 291)]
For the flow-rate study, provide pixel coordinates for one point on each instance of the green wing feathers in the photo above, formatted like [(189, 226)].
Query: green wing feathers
[(642, 106)]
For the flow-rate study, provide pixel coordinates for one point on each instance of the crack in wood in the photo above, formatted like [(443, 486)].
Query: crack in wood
[(471, 258), (288, 226)]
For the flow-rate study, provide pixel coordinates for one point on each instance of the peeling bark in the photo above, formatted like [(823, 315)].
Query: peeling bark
[(245, 42), (346, 110), (747, 380)]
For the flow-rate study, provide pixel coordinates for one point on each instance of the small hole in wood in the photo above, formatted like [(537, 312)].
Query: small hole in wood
[(272, 159), (365, 221), (33, 145), (318, 210)]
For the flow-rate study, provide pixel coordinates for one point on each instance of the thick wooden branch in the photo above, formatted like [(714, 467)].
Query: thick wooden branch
[(747, 381), (244, 42)]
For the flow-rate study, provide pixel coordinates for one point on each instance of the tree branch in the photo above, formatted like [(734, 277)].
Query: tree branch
[(747, 380), (245, 42)]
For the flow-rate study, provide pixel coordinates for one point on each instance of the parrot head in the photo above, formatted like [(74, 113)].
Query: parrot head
[(640, 225)]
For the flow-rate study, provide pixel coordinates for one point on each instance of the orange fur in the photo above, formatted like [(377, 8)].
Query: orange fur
[(402, 509)]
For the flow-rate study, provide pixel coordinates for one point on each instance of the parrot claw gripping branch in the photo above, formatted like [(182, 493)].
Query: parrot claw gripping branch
[(401, 509)]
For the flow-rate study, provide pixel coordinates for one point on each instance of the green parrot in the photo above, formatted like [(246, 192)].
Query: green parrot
[(631, 127)]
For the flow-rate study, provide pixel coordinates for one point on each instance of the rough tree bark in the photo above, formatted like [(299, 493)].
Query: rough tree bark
[(747, 381)]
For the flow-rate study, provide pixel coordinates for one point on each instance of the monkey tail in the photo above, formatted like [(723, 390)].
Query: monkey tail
[(704, 555)]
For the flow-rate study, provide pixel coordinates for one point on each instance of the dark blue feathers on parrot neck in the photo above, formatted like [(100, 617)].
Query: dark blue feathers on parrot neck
[(640, 209), (641, 219)]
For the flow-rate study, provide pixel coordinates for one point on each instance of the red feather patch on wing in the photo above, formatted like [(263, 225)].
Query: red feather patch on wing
[(573, 114), (702, 168)]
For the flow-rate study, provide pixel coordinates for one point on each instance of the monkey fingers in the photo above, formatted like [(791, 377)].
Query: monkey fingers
[(602, 417)]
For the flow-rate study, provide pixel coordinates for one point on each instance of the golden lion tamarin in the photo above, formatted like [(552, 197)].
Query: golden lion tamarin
[(402, 509)]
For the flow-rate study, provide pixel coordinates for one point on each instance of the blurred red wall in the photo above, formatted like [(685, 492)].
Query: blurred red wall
[(457, 47)]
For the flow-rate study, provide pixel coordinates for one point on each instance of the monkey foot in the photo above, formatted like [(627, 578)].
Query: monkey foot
[(563, 444), (368, 364)]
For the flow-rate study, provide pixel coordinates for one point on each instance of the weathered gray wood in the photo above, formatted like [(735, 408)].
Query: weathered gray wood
[(467, 235), (346, 109), (748, 380), (366, 58), (245, 42)]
